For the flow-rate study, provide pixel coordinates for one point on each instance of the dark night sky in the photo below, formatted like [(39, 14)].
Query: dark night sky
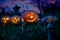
[(23, 4)]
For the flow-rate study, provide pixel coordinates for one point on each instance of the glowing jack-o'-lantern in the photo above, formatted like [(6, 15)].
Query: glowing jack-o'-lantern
[(5, 19), (30, 17), (15, 19)]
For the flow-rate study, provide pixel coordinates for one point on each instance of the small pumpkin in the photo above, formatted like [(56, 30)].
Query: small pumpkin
[(15, 20), (5, 19)]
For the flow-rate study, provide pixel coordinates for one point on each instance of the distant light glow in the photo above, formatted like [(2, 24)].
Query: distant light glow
[(50, 19)]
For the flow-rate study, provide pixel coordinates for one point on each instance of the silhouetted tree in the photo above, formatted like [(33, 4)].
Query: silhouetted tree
[(16, 10)]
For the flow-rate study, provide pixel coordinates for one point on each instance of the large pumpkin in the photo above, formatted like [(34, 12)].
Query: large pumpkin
[(15, 20), (5, 19), (30, 17)]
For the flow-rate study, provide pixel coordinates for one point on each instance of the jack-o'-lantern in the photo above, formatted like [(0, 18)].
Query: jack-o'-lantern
[(30, 17), (15, 20), (5, 19)]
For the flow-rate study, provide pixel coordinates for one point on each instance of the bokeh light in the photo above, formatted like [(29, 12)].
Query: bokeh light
[(30, 16), (50, 19), (15, 20)]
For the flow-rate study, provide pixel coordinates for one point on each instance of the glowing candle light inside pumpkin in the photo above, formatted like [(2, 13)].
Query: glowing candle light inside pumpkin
[(5, 20), (30, 17), (15, 19)]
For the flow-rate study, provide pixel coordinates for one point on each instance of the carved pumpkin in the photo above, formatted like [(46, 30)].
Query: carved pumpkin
[(30, 17), (5, 19), (15, 19)]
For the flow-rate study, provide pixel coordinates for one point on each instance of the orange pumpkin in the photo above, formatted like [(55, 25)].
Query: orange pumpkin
[(15, 20), (5, 19), (30, 17)]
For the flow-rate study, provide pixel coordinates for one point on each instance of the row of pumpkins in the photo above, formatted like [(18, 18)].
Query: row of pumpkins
[(30, 17)]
